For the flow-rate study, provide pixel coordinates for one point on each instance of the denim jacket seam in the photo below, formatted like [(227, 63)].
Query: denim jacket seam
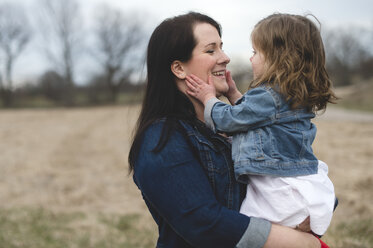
[(211, 170), (230, 186), (302, 151), (275, 96)]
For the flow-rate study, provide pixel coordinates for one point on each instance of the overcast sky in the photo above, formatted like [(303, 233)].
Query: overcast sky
[(237, 18)]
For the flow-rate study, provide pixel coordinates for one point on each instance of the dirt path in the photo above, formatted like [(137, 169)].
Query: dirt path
[(67, 159), (76, 160), (338, 114), (345, 142)]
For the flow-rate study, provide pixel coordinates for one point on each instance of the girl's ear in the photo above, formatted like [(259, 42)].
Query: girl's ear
[(177, 69)]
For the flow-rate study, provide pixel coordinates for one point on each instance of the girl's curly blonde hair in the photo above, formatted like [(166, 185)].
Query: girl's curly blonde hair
[(294, 60)]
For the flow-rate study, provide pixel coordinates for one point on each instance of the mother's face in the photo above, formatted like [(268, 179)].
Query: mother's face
[(208, 58)]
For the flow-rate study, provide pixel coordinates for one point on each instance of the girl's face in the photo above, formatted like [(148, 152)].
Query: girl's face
[(257, 63), (208, 58)]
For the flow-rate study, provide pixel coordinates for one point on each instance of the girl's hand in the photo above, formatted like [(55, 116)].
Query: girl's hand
[(232, 94), (199, 89)]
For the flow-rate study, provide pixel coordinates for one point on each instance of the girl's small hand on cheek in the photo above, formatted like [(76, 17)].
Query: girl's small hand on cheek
[(199, 89)]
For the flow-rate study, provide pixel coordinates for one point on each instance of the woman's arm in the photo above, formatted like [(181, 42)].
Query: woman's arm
[(287, 237), (278, 237), (174, 182)]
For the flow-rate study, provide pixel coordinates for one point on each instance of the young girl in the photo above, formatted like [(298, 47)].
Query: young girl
[(271, 123)]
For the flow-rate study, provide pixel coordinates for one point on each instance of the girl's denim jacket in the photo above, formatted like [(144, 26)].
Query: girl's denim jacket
[(190, 190), (269, 138)]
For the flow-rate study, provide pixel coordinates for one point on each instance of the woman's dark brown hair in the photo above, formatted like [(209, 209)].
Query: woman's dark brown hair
[(172, 40)]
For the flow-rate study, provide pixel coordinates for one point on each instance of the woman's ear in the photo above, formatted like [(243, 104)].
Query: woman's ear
[(177, 69)]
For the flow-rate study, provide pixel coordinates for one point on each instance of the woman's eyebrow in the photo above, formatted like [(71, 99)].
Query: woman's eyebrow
[(214, 44)]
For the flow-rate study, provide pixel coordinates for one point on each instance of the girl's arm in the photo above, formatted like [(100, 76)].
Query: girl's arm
[(256, 108)]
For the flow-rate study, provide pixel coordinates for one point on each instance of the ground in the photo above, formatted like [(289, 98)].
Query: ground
[(72, 161)]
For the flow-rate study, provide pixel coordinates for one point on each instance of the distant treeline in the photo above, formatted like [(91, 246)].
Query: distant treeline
[(51, 90), (116, 41)]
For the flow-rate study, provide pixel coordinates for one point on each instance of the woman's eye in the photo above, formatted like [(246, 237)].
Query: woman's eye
[(210, 51)]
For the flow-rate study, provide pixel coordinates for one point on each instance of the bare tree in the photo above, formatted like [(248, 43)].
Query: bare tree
[(61, 26), (119, 46), (53, 87), (345, 52), (366, 64), (15, 33)]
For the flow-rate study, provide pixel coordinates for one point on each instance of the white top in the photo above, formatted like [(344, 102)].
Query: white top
[(289, 200)]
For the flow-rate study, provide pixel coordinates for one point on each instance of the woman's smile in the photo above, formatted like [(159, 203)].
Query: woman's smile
[(220, 73)]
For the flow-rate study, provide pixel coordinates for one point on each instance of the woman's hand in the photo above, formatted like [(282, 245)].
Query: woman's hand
[(199, 89), (305, 226), (233, 93)]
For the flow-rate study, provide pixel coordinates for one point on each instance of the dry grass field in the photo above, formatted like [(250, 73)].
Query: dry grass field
[(64, 182)]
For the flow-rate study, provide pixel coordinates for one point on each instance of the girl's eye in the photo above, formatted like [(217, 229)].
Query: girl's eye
[(254, 52)]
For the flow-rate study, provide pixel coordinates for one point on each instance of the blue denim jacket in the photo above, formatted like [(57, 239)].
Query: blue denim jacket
[(269, 137), (190, 190)]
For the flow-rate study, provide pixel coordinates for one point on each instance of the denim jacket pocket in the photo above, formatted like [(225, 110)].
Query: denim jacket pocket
[(273, 146), (248, 146), (259, 143)]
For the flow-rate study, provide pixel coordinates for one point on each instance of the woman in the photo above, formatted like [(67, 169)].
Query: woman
[(185, 171)]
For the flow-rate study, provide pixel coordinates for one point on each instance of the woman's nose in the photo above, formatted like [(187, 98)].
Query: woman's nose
[(224, 58)]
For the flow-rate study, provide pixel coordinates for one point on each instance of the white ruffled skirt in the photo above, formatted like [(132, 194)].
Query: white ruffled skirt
[(289, 200)]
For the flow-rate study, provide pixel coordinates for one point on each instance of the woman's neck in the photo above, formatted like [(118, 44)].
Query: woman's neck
[(199, 108)]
